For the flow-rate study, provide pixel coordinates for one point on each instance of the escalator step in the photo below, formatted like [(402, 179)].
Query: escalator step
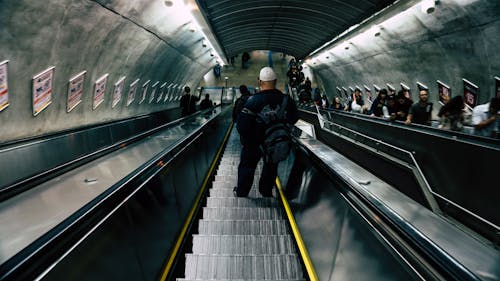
[(243, 244), (243, 227), (249, 267), (241, 202), (268, 213)]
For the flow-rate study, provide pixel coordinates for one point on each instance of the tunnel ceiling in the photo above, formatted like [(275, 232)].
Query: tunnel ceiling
[(296, 27)]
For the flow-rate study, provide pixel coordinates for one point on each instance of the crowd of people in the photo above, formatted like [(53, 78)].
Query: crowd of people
[(452, 115)]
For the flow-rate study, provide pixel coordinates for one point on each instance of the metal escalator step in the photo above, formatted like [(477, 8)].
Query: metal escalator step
[(241, 202), (262, 267), (269, 213), (227, 191), (232, 178), (228, 184), (238, 279), (243, 227), (243, 244)]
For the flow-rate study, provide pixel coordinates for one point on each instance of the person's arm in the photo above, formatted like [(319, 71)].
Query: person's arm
[(409, 117), (477, 119)]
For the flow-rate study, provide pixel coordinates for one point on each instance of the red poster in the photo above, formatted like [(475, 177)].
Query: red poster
[(444, 92), (471, 92)]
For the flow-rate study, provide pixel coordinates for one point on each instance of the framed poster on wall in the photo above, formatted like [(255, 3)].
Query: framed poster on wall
[(75, 91), (117, 91), (42, 90), (131, 92), (153, 91), (406, 90), (444, 92), (377, 89), (422, 86), (144, 91), (162, 92), (391, 89), (167, 93), (471, 93), (339, 92), (4, 86), (99, 90), (368, 93), (346, 94), (497, 87)]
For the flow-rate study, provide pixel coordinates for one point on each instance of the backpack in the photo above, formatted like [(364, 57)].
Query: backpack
[(277, 141)]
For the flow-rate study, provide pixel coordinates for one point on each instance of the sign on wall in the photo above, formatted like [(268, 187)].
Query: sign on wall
[(377, 89), (75, 91), (99, 90), (162, 92), (471, 92), (167, 93), (346, 94), (117, 91), (497, 87), (131, 92), (391, 89), (4, 87), (42, 90), (406, 90), (368, 93), (444, 92), (144, 91), (421, 86), (339, 92), (153, 91)]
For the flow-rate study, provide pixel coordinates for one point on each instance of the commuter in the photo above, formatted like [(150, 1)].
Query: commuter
[(451, 114), (485, 118), (252, 134), (324, 101), (401, 107), (292, 63), (244, 60), (357, 104), (217, 71), (337, 104), (378, 105), (188, 102), (240, 102), (206, 103), (420, 112), (293, 77)]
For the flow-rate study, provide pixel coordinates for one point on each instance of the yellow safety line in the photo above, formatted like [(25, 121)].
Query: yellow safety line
[(171, 259), (302, 248)]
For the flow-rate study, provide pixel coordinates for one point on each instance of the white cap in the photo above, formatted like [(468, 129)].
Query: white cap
[(267, 74)]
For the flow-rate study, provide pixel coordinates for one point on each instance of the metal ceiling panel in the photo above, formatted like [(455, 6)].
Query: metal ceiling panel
[(295, 27)]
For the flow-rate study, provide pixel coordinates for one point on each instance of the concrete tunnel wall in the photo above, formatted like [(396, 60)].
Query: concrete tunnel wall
[(138, 39), (460, 39)]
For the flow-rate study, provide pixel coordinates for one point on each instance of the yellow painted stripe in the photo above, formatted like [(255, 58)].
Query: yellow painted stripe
[(177, 246), (302, 248)]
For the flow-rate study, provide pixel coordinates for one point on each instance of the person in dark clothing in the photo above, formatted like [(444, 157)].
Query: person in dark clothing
[(240, 102), (206, 103), (379, 103), (420, 112), (244, 60), (401, 107), (252, 134), (188, 102)]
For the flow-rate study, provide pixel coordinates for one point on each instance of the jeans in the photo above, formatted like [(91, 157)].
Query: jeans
[(249, 158)]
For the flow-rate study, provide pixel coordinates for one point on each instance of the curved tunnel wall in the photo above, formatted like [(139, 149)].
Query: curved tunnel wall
[(458, 40), (138, 39)]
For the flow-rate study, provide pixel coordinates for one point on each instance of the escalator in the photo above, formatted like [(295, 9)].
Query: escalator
[(175, 217)]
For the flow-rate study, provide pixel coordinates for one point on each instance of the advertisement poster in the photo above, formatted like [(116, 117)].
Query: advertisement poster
[(75, 91), (99, 90), (390, 89), (117, 91), (4, 87), (42, 90), (162, 92), (471, 92), (144, 91), (377, 89), (346, 94), (153, 91), (167, 93), (497, 87), (131, 92), (368, 93), (444, 92), (421, 86), (351, 89), (406, 90), (339, 92)]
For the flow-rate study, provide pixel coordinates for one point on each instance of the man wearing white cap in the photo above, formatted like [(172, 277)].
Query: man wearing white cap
[(252, 133)]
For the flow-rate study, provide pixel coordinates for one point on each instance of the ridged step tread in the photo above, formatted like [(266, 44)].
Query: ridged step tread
[(241, 202), (243, 244), (269, 213), (262, 267), (243, 227)]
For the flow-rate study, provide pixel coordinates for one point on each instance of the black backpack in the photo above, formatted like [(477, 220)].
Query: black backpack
[(238, 106), (277, 141)]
